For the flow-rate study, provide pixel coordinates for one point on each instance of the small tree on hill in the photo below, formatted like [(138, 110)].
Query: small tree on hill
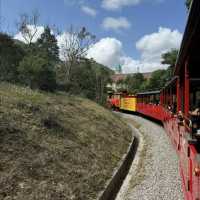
[(28, 26), (83, 79), (134, 82), (157, 80), (36, 72), (75, 47), (47, 43), (10, 56), (169, 59)]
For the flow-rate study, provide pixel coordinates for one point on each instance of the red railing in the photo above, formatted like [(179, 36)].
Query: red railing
[(151, 110)]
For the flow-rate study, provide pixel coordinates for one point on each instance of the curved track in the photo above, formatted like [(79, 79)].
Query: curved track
[(156, 176)]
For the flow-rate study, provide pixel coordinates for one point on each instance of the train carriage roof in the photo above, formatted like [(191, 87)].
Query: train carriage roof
[(170, 82), (191, 40), (149, 93)]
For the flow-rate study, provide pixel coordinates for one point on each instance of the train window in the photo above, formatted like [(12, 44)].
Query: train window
[(174, 103), (195, 105), (194, 93), (151, 99), (197, 95)]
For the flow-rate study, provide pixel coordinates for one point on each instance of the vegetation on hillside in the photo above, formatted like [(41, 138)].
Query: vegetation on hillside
[(56, 146), (137, 83), (38, 64)]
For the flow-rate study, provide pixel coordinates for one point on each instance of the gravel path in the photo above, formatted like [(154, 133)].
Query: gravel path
[(156, 176)]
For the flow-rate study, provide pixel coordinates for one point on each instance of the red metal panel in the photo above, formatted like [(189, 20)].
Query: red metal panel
[(178, 93), (187, 153), (194, 178), (187, 92)]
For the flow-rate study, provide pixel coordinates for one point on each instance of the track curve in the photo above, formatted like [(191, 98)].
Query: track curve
[(157, 174)]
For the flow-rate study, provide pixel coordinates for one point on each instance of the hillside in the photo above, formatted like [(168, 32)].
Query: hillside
[(55, 146)]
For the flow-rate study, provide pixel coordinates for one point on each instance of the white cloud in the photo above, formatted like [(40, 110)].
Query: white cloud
[(107, 51), (40, 30), (89, 11), (116, 23), (61, 40), (130, 65), (153, 45), (117, 4)]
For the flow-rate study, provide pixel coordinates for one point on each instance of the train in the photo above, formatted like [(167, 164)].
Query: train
[(173, 105)]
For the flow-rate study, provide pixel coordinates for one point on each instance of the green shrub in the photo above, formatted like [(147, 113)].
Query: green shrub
[(36, 72)]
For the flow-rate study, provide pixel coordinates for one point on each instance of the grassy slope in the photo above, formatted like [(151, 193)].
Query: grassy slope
[(56, 146)]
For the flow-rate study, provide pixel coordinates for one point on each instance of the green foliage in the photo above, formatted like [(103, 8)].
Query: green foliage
[(157, 80), (10, 56), (169, 58), (83, 80), (47, 43), (88, 79), (188, 3), (134, 82), (103, 75), (38, 66), (137, 83), (36, 72)]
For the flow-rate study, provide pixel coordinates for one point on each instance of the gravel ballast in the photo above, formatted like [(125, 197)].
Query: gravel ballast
[(156, 176)]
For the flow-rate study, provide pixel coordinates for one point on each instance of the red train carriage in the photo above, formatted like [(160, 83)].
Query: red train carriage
[(188, 95), (171, 118), (148, 103), (176, 106), (113, 100), (177, 100)]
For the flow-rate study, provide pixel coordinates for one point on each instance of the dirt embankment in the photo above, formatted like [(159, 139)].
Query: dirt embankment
[(56, 146)]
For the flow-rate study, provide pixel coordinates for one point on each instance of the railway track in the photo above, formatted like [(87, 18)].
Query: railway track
[(156, 176)]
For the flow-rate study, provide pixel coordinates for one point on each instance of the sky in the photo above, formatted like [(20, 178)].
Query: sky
[(131, 33)]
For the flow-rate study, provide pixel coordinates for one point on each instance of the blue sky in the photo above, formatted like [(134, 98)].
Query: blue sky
[(140, 18)]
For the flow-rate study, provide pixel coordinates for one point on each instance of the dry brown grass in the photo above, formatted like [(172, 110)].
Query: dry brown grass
[(56, 146)]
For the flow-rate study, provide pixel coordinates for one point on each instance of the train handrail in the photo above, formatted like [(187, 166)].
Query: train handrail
[(187, 123)]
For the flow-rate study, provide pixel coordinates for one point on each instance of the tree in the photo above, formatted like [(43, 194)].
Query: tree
[(169, 59), (83, 79), (103, 75), (28, 26), (47, 43), (10, 56), (188, 3), (88, 79), (134, 82), (121, 86), (36, 72), (157, 80), (75, 47)]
